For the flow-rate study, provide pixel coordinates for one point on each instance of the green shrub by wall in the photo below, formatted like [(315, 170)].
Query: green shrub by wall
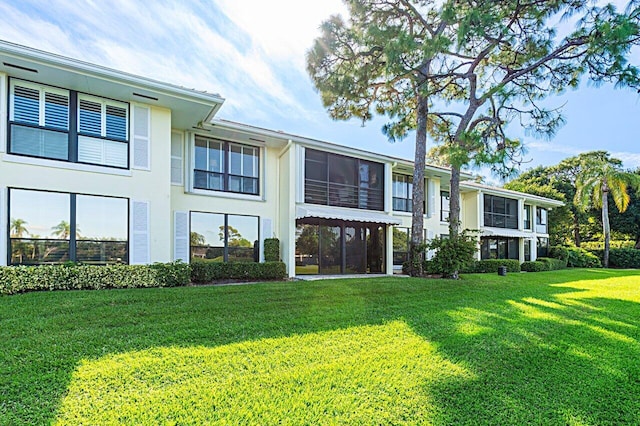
[(552, 264), (492, 265), (20, 279), (559, 252), (207, 272), (271, 250), (534, 266)]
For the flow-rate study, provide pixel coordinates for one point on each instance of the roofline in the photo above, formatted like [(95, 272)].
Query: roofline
[(502, 191), (319, 143), (109, 74)]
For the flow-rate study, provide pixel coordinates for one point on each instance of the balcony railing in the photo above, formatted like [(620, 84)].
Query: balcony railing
[(343, 195), (203, 179)]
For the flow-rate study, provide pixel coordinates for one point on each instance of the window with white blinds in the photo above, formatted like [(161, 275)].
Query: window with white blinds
[(39, 125)]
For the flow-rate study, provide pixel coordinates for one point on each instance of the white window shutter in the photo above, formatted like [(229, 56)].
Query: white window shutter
[(139, 244), (4, 222), (181, 236), (430, 236), (141, 137), (431, 198), (3, 114), (177, 172)]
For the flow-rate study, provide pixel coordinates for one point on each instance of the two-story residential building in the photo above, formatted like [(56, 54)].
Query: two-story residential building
[(100, 166)]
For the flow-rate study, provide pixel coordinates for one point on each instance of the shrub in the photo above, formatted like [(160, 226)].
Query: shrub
[(492, 265), (559, 252), (581, 258), (552, 264), (271, 250), (534, 266), (453, 254), (599, 245), (20, 279), (624, 258), (207, 272)]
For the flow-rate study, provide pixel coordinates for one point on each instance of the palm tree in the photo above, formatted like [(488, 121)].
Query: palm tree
[(18, 228), (62, 230), (600, 177)]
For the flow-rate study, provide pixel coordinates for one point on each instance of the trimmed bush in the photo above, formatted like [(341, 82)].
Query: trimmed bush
[(581, 258), (271, 250), (452, 254), (559, 252), (20, 279), (492, 265), (552, 264), (208, 272), (624, 258), (534, 266)]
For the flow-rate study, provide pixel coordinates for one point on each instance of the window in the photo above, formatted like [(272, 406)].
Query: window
[(226, 166), (402, 192), (337, 180), (218, 237), (500, 212), (543, 247), (401, 239), (444, 206), (54, 227), (527, 250), (499, 248), (527, 217), (43, 123), (541, 220)]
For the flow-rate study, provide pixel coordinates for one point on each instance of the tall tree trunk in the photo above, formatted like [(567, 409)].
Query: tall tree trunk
[(605, 223), (576, 230), (416, 252), (454, 208)]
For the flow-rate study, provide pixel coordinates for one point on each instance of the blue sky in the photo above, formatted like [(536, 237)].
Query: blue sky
[(252, 53)]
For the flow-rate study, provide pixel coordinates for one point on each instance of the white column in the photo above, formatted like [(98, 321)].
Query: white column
[(389, 250)]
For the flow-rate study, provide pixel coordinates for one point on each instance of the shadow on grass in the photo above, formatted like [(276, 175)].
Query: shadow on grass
[(549, 348)]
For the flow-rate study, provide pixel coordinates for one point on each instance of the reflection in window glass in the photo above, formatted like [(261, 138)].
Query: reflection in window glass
[(39, 227), (101, 229), (242, 237), (207, 236), (307, 249)]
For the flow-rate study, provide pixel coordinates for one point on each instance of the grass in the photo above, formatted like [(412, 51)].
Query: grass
[(556, 347)]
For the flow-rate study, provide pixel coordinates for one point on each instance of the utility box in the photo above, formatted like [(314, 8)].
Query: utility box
[(502, 271)]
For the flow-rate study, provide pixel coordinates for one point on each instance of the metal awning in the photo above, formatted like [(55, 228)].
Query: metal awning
[(345, 214), (500, 232)]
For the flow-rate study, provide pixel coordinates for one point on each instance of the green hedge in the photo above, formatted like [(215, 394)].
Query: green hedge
[(534, 266), (207, 272), (581, 258), (552, 264), (627, 258), (492, 265), (20, 279), (559, 252), (271, 250)]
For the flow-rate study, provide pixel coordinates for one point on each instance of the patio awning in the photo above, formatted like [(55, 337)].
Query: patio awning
[(350, 215), (500, 232)]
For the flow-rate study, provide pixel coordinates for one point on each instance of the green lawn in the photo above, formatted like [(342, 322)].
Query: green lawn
[(559, 347)]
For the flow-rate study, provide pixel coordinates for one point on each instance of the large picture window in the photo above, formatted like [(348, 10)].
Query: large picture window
[(54, 227), (541, 220), (49, 122), (499, 248), (337, 180), (500, 212), (218, 237), (226, 166)]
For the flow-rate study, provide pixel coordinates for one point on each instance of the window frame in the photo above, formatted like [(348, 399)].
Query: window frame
[(72, 240), (225, 172), (491, 217), (542, 220), (408, 184), (444, 213), (225, 242), (73, 122)]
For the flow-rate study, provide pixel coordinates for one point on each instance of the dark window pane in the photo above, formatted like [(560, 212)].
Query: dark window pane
[(242, 238), (116, 121), (207, 236), (101, 229), (307, 238), (26, 105), (90, 117), (330, 250)]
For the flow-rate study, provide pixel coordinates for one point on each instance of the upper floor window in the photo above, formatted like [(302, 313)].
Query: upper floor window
[(337, 180), (527, 217), (226, 166), (48, 122), (402, 192), (541, 220), (500, 212), (444, 206)]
